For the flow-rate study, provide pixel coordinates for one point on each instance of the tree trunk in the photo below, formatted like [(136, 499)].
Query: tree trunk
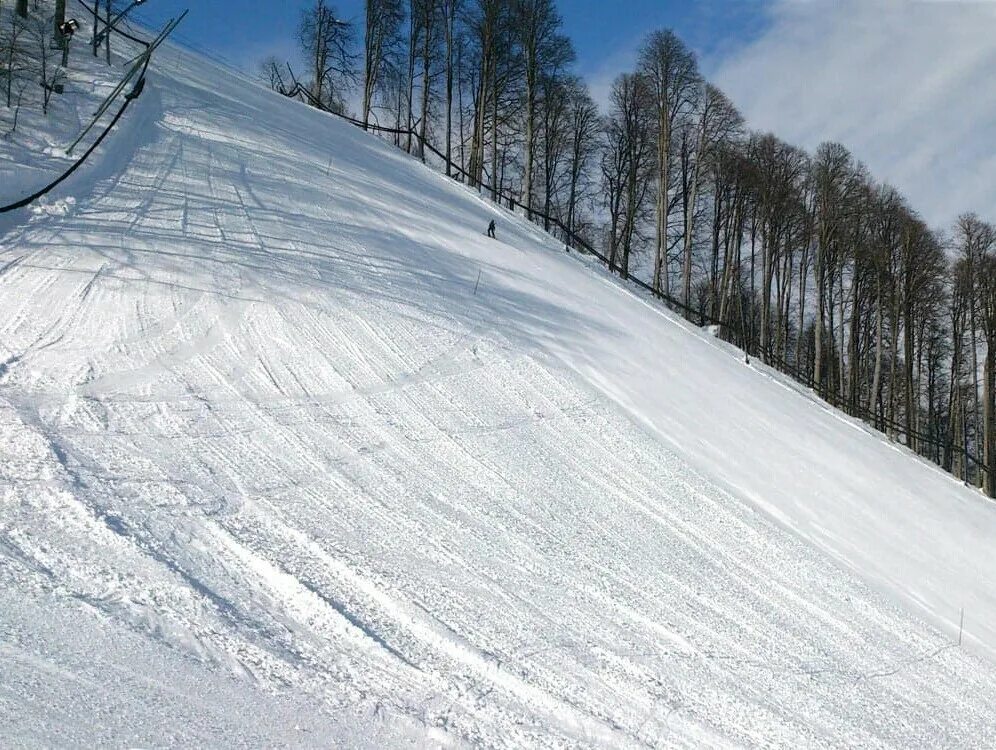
[(449, 86), (931, 395), (784, 312), (463, 135), (530, 136), (842, 360), (989, 453), (371, 51), (477, 138), (107, 30), (494, 132), (820, 274), (96, 23), (853, 349), (661, 276), (769, 240), (412, 44), (318, 63), (426, 81), (717, 225), (728, 268), (892, 369), (975, 378), (690, 209), (879, 342), (803, 278), (958, 464), (397, 113), (909, 347), (753, 276)]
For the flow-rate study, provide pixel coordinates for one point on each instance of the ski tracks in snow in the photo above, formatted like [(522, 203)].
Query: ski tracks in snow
[(224, 432)]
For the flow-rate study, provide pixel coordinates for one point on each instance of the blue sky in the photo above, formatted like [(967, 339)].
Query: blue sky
[(244, 31)]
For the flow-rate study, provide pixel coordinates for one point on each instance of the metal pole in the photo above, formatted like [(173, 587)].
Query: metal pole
[(117, 19), (58, 20)]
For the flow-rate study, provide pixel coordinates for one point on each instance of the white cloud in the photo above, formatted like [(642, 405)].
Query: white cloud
[(908, 86)]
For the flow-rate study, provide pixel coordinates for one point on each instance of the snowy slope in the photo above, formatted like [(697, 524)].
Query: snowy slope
[(272, 473), (33, 153)]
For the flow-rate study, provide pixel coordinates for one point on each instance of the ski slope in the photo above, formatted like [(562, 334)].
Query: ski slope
[(272, 472)]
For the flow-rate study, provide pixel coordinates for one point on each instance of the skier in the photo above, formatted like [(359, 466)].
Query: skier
[(491, 229)]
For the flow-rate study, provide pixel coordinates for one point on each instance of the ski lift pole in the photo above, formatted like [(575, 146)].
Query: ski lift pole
[(140, 66), (97, 20), (67, 30), (114, 22), (106, 104)]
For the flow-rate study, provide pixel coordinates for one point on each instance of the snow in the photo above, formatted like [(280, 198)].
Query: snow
[(272, 473), (34, 154)]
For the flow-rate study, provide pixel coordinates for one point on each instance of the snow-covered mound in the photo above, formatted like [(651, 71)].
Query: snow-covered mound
[(273, 472)]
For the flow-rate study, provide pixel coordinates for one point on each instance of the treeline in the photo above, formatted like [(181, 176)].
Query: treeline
[(35, 53), (809, 263)]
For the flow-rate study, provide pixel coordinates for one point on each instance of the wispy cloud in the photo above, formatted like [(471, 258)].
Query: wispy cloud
[(906, 85), (600, 78)]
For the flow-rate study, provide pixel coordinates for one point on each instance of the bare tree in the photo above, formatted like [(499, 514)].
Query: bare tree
[(421, 46), (412, 52), (779, 171), (833, 168), (719, 121), (326, 41), (672, 71), (545, 51), (987, 317), (976, 243), (14, 61), (21, 87), (51, 75), (429, 28), (961, 300), (585, 143), (450, 10), (888, 211), (922, 266), (554, 139), (628, 164), (487, 26), (381, 43), (275, 74)]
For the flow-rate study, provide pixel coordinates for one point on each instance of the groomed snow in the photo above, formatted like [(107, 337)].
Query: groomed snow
[(271, 473)]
